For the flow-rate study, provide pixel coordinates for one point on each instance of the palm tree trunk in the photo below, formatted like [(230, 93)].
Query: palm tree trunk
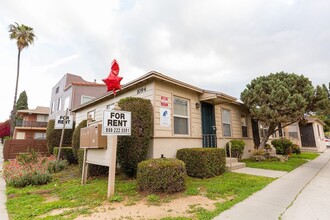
[(13, 112)]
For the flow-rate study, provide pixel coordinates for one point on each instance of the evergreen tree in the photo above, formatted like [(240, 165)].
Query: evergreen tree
[(278, 98), (21, 104)]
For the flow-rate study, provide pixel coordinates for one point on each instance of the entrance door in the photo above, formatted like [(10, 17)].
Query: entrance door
[(307, 135), (208, 125)]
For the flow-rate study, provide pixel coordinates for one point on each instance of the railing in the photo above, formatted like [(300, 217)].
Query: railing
[(210, 140), (31, 124)]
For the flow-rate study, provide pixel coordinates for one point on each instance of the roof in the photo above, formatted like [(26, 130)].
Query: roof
[(159, 76), (311, 119), (87, 84), (40, 110)]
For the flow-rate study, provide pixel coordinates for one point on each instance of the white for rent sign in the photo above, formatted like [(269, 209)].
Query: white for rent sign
[(116, 122), (60, 120)]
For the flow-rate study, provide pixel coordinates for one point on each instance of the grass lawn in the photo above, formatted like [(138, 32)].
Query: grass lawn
[(65, 198), (294, 161)]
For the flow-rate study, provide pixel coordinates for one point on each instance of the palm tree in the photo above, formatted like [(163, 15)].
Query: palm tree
[(24, 36)]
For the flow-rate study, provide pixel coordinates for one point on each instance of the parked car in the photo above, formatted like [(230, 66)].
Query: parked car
[(327, 141)]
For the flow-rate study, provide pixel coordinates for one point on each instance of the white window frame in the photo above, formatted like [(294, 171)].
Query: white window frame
[(246, 125), (181, 116), (223, 123), (82, 97), (92, 113), (59, 104), (67, 103)]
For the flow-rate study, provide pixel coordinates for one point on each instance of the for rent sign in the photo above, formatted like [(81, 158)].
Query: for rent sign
[(116, 123), (60, 120)]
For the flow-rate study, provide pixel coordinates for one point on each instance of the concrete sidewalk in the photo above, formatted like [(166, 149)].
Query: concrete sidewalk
[(3, 197), (303, 193)]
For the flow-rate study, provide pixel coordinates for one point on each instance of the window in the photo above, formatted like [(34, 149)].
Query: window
[(42, 118), (263, 130), (53, 107), (293, 131), (57, 89), (84, 99), (40, 136), (181, 116), (66, 103), (91, 114), (226, 125), (244, 126), (59, 104), (110, 106)]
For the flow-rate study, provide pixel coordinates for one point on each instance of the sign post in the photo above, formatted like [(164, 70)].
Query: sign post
[(61, 141), (114, 123)]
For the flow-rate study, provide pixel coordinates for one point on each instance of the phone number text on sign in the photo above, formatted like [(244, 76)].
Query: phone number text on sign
[(116, 122)]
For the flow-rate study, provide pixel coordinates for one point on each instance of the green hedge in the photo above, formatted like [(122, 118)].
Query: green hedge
[(93, 169), (133, 149), (237, 148), (66, 154), (203, 162), (283, 146), (161, 175), (53, 136), (76, 137)]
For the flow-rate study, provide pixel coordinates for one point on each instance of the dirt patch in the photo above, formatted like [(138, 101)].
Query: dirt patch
[(183, 207), (54, 212), (51, 199)]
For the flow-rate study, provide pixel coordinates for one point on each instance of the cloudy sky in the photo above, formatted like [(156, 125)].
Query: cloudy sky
[(212, 44)]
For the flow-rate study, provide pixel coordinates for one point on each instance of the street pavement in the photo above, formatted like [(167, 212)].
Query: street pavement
[(304, 193), (3, 197)]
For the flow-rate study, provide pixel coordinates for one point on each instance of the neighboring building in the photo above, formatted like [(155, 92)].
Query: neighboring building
[(72, 91), (33, 124), (312, 135), (184, 116)]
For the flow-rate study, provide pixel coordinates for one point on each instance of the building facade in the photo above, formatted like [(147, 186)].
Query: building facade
[(185, 116), (72, 91), (33, 124)]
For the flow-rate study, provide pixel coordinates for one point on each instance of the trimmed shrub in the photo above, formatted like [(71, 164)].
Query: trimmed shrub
[(133, 149), (161, 175), (283, 146), (203, 162), (237, 148), (66, 154), (93, 169), (53, 136), (76, 137), (296, 149)]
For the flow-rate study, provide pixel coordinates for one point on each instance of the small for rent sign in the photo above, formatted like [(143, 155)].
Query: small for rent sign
[(116, 123)]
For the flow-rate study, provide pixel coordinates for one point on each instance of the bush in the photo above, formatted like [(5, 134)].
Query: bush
[(203, 162), (283, 146), (66, 154), (53, 136), (93, 169), (30, 170), (296, 149), (237, 148), (161, 175), (76, 137), (133, 149), (258, 155)]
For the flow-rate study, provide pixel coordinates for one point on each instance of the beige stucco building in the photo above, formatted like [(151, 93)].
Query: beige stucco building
[(185, 116)]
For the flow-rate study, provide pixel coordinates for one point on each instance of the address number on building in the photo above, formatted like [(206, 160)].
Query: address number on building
[(116, 122)]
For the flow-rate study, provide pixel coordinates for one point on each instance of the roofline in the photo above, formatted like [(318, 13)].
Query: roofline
[(149, 75)]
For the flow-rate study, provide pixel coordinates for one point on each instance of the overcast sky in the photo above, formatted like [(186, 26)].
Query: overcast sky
[(215, 45)]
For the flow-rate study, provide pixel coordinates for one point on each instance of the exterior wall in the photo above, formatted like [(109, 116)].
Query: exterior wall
[(100, 107), (165, 142), (319, 136), (236, 127), (61, 85), (79, 91)]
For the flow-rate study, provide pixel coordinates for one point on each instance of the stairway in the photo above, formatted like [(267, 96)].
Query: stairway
[(234, 165)]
